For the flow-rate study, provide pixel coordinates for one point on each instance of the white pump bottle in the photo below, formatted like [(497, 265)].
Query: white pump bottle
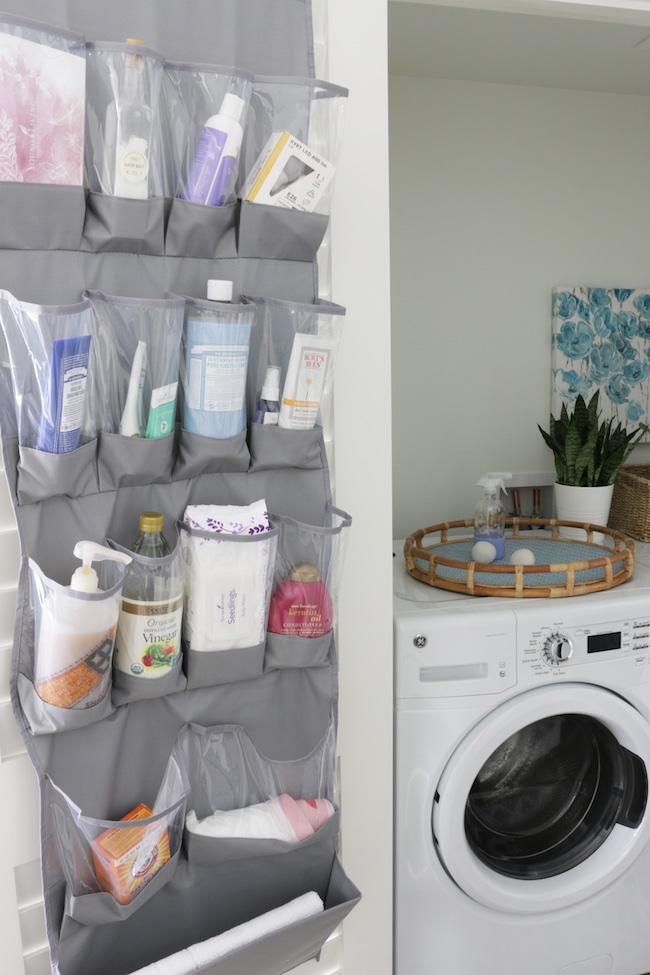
[(489, 513), (74, 641)]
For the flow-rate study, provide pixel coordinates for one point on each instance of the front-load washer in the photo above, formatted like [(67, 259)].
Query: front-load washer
[(522, 758)]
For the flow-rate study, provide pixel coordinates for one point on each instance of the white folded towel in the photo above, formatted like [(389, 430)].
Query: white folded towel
[(203, 953), (280, 818)]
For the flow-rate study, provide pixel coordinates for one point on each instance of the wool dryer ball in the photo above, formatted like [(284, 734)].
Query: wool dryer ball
[(483, 552), (523, 556)]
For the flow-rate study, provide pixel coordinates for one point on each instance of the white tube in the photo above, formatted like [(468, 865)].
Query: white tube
[(305, 381), (132, 422)]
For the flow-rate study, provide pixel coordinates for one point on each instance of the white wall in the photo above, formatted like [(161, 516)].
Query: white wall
[(498, 193), (360, 281)]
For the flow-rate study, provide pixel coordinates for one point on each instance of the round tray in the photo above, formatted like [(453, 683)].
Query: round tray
[(563, 566)]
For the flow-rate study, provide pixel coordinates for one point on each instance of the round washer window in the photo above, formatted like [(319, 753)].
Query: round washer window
[(550, 795)]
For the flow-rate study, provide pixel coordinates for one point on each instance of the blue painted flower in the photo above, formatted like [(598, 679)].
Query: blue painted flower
[(575, 340), (644, 328), (642, 304), (635, 372), (617, 390), (624, 347), (564, 304), (622, 294), (604, 362), (570, 384), (605, 323), (599, 297), (628, 324), (634, 411)]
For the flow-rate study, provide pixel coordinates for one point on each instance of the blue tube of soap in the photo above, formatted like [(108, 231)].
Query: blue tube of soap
[(65, 397)]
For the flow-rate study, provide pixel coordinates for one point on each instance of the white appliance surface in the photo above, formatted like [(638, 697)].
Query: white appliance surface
[(487, 685)]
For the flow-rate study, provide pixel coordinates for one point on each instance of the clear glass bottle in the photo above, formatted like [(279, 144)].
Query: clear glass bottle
[(129, 127), (148, 641), (150, 540)]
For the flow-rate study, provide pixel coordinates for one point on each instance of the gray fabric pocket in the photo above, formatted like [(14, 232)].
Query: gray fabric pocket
[(130, 461), (127, 688), (116, 224), (296, 651), (194, 230), (40, 216), (210, 849), (102, 908), (42, 475), (210, 455), (274, 447), (205, 668), (44, 719), (274, 232)]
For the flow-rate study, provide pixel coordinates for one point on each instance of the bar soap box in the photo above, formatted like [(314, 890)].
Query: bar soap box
[(287, 174)]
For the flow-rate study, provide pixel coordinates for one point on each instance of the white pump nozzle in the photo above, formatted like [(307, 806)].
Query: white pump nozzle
[(494, 481), (84, 579)]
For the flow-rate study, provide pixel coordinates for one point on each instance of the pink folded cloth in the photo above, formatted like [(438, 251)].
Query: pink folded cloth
[(281, 818)]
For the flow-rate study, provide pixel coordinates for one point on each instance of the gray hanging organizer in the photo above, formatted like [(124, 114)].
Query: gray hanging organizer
[(225, 729)]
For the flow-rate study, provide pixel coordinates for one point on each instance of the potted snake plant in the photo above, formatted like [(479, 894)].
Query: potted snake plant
[(588, 453)]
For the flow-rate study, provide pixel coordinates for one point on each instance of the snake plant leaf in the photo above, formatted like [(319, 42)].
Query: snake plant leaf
[(586, 451)]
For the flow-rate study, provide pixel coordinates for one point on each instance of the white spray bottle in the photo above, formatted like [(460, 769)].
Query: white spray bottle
[(75, 633), (489, 513)]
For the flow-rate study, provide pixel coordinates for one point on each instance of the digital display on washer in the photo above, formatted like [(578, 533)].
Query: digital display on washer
[(603, 641)]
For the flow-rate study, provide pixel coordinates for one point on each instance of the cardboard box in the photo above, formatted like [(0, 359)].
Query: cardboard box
[(287, 174), (126, 859)]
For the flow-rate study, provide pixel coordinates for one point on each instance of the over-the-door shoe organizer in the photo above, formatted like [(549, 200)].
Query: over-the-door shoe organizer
[(235, 731)]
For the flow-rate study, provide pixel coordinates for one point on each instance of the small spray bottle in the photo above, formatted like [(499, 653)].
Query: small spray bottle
[(489, 514), (75, 634)]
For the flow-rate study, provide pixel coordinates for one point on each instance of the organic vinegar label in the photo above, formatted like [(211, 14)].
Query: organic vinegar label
[(148, 640)]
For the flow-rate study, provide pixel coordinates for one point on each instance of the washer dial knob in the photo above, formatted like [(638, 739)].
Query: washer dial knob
[(557, 648)]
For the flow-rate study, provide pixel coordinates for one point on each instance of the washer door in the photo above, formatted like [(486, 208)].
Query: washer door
[(544, 802)]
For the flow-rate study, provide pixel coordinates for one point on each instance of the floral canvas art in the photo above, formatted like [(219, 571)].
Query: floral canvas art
[(601, 341), (42, 92)]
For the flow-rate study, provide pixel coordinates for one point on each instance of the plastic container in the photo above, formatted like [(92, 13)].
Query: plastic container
[(489, 513)]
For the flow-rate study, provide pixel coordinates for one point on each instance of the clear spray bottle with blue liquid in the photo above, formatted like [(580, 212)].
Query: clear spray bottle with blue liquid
[(489, 513)]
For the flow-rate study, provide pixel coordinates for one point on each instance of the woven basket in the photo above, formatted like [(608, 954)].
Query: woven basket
[(630, 508)]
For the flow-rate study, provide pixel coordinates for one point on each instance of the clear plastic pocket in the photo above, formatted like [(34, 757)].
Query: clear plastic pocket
[(139, 346), (206, 109), (66, 650), (43, 72), (227, 590), (292, 144), (113, 866), (123, 123), (292, 362), (306, 582), (52, 353), (245, 805)]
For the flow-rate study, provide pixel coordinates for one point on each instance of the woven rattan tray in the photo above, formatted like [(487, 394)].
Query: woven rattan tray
[(563, 566)]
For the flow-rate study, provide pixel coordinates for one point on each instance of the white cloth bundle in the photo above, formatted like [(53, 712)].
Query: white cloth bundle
[(227, 583), (203, 953), (280, 818)]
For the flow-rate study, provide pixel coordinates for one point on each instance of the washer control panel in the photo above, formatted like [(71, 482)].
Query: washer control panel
[(560, 645)]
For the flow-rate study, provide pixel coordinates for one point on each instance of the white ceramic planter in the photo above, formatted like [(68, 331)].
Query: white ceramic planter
[(589, 505)]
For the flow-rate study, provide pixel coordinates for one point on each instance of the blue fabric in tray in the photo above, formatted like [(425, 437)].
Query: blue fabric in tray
[(547, 551)]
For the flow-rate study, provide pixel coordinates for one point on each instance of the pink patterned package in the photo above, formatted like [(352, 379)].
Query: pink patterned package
[(42, 98)]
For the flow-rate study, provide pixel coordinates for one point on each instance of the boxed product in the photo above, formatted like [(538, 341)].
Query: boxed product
[(288, 174), (126, 859)]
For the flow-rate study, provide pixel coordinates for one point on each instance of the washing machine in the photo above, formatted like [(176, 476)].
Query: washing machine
[(522, 758)]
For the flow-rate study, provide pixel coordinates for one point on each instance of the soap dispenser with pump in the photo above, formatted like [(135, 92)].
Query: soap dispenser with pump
[(75, 629), (489, 513)]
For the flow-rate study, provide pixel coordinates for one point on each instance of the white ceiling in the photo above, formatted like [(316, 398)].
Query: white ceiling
[(460, 43)]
